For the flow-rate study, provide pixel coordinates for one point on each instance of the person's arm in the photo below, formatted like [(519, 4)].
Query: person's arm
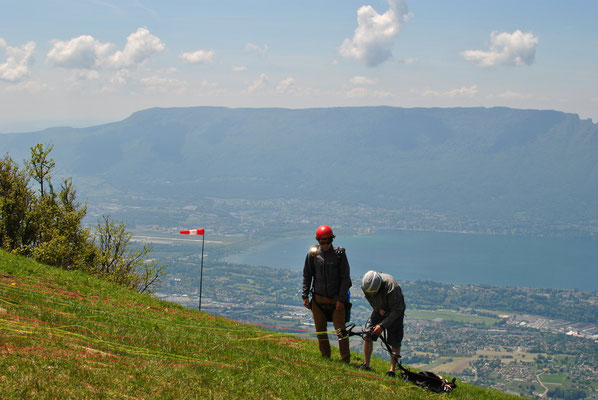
[(307, 278), (376, 329), (345, 278), (397, 307)]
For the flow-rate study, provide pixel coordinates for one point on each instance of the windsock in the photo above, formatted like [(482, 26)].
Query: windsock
[(200, 231)]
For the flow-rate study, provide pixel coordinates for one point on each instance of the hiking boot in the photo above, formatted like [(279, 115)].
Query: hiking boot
[(391, 374), (365, 367)]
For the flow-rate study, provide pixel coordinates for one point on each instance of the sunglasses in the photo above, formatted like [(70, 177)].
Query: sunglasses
[(325, 241)]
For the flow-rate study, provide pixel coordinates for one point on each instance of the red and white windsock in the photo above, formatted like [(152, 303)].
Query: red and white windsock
[(200, 231)]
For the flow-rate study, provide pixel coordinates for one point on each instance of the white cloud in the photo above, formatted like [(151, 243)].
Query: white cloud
[(509, 94), (286, 86), (198, 57), (118, 80), (409, 61), (208, 88), (517, 48), (88, 75), (258, 84), (253, 48), (359, 92), (459, 92), (167, 70), (362, 80), (159, 84), (372, 41), (205, 84), (16, 66), (29, 85), (240, 68), (140, 46), (83, 52)]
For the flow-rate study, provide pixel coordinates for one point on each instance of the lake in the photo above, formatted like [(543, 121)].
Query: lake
[(497, 260)]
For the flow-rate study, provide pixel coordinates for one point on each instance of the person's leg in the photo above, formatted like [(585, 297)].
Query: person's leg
[(321, 326), (368, 341), (393, 360), (395, 337), (338, 319), (368, 347)]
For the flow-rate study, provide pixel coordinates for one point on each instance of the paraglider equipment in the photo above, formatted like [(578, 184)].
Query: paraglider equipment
[(425, 379), (201, 232)]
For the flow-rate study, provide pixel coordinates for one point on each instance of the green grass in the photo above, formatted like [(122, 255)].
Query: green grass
[(553, 379), (69, 335), (451, 315)]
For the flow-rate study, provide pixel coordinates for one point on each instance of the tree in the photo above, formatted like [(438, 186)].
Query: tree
[(567, 393), (64, 242), (49, 227), (40, 166), (15, 203), (118, 262)]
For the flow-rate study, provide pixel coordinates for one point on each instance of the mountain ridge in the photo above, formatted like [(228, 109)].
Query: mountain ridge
[(488, 164)]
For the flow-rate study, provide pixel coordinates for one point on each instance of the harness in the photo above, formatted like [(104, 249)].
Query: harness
[(425, 379), (328, 308)]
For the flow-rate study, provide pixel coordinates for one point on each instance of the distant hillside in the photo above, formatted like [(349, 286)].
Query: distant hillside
[(68, 335), (517, 167)]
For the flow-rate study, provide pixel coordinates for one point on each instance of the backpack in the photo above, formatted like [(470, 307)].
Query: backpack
[(340, 252), (428, 380)]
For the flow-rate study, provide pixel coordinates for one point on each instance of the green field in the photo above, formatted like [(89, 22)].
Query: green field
[(553, 380), (451, 315), (456, 365)]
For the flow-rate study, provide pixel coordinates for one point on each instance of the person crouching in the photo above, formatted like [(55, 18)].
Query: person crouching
[(386, 298)]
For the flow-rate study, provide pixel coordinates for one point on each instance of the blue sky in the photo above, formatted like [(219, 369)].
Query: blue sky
[(90, 61)]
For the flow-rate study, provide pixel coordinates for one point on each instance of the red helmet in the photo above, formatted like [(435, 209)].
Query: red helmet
[(324, 231)]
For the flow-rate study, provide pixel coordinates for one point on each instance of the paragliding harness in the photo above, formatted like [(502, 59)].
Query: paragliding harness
[(328, 309), (425, 379)]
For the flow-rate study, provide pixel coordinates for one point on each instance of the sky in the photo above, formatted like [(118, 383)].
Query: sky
[(85, 62)]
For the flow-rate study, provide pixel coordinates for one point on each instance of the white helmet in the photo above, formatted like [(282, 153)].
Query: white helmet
[(371, 282)]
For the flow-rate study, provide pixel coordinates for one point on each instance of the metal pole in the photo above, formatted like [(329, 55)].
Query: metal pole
[(203, 238)]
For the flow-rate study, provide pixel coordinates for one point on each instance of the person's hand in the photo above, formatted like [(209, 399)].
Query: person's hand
[(382, 313), (378, 330), (306, 303), (339, 305)]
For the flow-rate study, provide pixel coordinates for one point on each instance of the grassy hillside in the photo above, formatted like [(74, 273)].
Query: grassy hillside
[(68, 335)]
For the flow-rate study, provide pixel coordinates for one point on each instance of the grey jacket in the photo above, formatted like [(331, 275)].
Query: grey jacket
[(328, 274), (390, 299)]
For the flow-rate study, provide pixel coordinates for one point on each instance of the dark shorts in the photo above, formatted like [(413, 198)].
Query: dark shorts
[(394, 333)]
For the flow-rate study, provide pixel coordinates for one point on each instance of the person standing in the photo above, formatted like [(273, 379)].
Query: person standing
[(388, 311), (326, 275)]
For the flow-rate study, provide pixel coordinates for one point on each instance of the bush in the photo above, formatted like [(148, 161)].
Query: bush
[(118, 263)]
